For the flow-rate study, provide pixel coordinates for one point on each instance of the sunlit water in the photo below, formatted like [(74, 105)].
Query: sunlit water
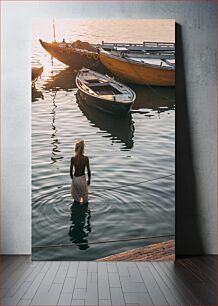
[(122, 153)]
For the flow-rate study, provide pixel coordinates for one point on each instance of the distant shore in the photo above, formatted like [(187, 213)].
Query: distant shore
[(155, 252)]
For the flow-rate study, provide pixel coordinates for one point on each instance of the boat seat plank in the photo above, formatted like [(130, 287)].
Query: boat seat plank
[(98, 84)]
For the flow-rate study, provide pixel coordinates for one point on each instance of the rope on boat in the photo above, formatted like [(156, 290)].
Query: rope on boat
[(99, 242), (94, 64), (161, 96), (148, 85)]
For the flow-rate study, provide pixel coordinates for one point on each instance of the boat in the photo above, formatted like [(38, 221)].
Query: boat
[(104, 93), (155, 70), (36, 73), (76, 55), (80, 54)]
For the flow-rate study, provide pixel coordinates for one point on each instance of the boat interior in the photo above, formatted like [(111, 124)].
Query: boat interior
[(159, 60), (170, 63), (103, 88), (143, 54)]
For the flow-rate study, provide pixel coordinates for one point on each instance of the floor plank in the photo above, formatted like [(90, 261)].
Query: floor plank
[(155, 292), (103, 282), (196, 286), (202, 270), (179, 283), (168, 292), (187, 281), (17, 296), (20, 277), (185, 297), (48, 298), (201, 287), (49, 277)]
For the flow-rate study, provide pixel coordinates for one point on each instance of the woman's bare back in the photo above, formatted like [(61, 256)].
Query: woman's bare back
[(78, 164)]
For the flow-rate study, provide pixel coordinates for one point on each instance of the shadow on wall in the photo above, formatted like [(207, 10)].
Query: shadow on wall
[(188, 227)]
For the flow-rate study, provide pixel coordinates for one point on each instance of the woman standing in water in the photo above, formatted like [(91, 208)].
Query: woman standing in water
[(79, 162)]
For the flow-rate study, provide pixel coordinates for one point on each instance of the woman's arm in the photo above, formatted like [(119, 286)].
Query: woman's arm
[(71, 168), (89, 172)]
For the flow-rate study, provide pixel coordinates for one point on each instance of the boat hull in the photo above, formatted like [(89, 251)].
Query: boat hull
[(114, 108), (138, 73), (75, 58)]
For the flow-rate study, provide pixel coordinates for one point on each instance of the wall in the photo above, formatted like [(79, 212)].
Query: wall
[(196, 148)]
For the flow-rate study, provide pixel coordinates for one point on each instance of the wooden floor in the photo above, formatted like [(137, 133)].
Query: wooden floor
[(188, 281)]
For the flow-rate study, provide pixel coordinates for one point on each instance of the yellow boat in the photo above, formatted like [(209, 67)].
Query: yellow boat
[(144, 70)]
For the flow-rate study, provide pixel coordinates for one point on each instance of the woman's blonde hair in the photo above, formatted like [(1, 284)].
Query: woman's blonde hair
[(79, 147)]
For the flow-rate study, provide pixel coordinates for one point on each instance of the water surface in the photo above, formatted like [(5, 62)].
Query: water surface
[(124, 153)]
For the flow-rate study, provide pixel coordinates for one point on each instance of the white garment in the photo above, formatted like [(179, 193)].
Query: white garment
[(79, 189)]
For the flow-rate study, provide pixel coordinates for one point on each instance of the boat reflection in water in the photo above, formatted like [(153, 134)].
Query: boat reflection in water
[(147, 97), (153, 98), (119, 129), (36, 94), (65, 80), (81, 226), (56, 153)]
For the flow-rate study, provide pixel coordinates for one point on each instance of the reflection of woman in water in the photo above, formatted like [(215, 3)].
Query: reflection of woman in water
[(80, 227), (80, 162)]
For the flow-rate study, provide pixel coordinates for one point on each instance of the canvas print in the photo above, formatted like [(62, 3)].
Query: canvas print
[(103, 139)]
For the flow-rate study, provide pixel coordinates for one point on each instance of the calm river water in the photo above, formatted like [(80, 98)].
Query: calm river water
[(122, 152)]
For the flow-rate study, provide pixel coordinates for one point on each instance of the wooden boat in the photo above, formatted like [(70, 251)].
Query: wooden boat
[(80, 54), (140, 70), (104, 93), (36, 72), (76, 55)]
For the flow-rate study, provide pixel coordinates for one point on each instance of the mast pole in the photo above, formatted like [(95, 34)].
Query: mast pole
[(54, 30)]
